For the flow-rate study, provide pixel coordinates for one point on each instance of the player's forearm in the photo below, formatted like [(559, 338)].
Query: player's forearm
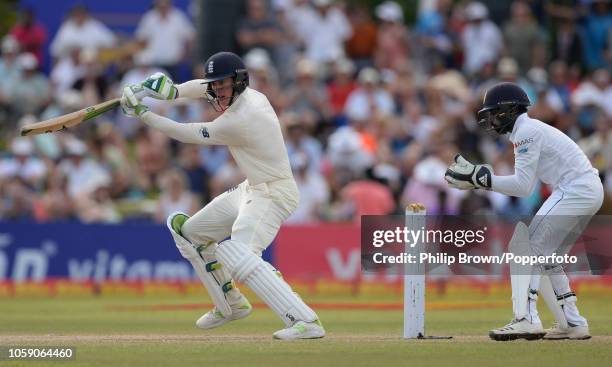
[(192, 89), (514, 185), (186, 133)]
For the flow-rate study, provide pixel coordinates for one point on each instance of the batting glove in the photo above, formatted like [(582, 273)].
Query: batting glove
[(464, 175), (131, 105), (160, 86)]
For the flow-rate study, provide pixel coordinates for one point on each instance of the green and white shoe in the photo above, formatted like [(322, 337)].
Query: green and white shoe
[(213, 318), (301, 330)]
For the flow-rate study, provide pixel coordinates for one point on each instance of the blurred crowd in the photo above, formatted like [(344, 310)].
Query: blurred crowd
[(373, 108)]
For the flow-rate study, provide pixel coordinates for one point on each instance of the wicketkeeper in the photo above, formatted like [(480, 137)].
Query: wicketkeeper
[(543, 153), (224, 240)]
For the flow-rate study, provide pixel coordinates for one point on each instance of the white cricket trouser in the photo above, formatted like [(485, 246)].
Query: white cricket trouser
[(249, 214), (555, 228)]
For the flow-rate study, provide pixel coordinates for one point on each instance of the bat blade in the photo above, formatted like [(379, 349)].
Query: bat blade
[(69, 120)]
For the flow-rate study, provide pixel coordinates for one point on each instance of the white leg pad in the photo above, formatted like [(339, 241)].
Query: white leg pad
[(550, 297), (252, 270), (212, 283), (520, 275)]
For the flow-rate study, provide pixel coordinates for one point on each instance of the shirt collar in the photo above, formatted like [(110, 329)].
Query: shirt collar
[(519, 120)]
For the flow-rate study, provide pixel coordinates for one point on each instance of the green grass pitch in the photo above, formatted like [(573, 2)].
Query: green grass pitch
[(122, 331)]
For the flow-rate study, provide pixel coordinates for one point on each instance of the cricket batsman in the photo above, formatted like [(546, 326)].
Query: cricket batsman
[(543, 153), (225, 239)]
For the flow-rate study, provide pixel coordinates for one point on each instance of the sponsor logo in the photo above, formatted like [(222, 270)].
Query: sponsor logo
[(522, 150), (205, 133), (523, 142), (211, 67), (483, 180), (290, 317)]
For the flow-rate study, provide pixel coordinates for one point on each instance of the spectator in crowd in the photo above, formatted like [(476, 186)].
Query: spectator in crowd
[(392, 45), (558, 96), (30, 34), (432, 35), (191, 164), (54, 204), (94, 205), (597, 25), (566, 45), (369, 99), (522, 36), (151, 150), (263, 77), (23, 164), (10, 69), (168, 36), (92, 85), (79, 31), (175, 196), (309, 95), (314, 192), (16, 200), (340, 88), (300, 142), (481, 39), (31, 92), (362, 43), (367, 196), (323, 31), (83, 173), (68, 69), (258, 29)]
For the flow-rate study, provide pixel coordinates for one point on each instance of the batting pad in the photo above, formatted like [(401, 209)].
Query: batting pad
[(213, 285), (250, 269)]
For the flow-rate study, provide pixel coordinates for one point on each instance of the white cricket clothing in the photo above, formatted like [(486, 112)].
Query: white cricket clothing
[(245, 219), (91, 34), (250, 129), (166, 36), (545, 153)]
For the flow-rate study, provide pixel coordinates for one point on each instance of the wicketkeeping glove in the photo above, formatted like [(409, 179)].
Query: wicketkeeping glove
[(464, 175), (160, 86), (131, 105)]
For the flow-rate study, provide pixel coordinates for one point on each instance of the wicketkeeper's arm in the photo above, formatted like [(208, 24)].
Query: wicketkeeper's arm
[(526, 157)]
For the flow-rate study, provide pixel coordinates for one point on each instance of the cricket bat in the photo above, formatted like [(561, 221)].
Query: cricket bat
[(69, 120)]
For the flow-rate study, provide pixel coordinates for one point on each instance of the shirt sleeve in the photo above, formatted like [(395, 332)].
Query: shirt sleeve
[(192, 89), (527, 147), (227, 129)]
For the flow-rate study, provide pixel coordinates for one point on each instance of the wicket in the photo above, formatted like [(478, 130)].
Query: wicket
[(414, 280)]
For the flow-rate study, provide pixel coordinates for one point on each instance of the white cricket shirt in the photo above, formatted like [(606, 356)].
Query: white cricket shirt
[(250, 129), (541, 152)]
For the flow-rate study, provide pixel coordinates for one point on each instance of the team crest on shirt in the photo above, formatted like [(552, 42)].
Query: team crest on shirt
[(205, 133)]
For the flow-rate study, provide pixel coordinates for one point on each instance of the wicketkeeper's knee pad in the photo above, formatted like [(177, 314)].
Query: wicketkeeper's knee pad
[(215, 279), (264, 280)]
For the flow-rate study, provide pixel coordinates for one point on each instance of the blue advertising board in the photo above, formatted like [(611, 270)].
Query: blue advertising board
[(91, 252)]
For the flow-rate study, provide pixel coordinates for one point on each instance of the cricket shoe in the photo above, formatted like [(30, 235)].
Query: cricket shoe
[(301, 330), (573, 332), (214, 318), (518, 329)]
